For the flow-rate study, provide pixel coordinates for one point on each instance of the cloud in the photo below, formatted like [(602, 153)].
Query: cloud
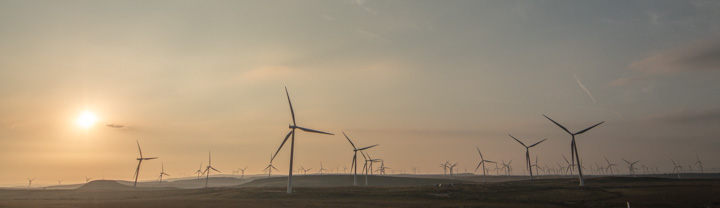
[(585, 89), (116, 126), (690, 116), (372, 36), (363, 4), (697, 56)]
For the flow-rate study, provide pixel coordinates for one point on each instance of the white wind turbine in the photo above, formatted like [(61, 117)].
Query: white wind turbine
[(30, 180), (700, 164), (573, 147), (200, 171), (482, 162), (676, 168), (162, 172), (354, 160), (140, 159), (242, 170), (527, 153), (208, 169), (292, 141), (609, 166), (631, 166), (270, 167)]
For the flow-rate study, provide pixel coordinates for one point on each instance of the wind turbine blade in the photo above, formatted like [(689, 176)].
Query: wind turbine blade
[(478, 149), (478, 166), (292, 113), (556, 123), (150, 158), (273, 167), (537, 143), (139, 150), (215, 169), (489, 161), (313, 131), (673, 161), (523, 144), (593, 126), (368, 147), (625, 160), (363, 154), (281, 145), (348, 138)]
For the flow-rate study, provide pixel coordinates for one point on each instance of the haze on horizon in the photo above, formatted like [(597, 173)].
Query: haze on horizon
[(427, 80)]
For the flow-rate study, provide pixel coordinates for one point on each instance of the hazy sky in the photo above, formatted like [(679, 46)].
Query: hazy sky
[(427, 80)]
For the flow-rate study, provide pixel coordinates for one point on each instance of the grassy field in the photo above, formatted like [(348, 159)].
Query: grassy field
[(564, 192)]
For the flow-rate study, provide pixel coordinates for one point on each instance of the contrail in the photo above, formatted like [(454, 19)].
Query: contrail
[(583, 87)]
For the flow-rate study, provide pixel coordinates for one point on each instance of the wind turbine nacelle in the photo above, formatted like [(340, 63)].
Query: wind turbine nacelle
[(291, 126)]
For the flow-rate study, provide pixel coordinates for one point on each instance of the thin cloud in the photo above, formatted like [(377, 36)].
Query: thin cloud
[(698, 56), (363, 4), (116, 126), (690, 116), (584, 88)]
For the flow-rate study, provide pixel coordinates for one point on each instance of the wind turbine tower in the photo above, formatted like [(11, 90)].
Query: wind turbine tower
[(292, 141), (573, 147), (527, 153)]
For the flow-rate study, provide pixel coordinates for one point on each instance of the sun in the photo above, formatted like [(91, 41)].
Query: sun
[(86, 119)]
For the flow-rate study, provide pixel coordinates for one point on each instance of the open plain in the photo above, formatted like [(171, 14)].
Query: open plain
[(337, 191)]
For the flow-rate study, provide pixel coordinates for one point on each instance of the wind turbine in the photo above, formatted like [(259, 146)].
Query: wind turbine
[(270, 167), (208, 168), (570, 167), (676, 168), (537, 166), (609, 166), (444, 166), (527, 153), (140, 159), (30, 180), (631, 166), (162, 172), (699, 163), (199, 171), (507, 167), (292, 141), (452, 167), (573, 146), (354, 160), (482, 162), (321, 168), (382, 167), (243, 173), (87, 179), (59, 181)]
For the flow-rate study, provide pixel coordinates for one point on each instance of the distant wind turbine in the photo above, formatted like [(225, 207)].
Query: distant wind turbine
[(162, 172), (573, 146), (270, 167), (354, 160), (87, 179), (200, 171), (243, 173), (208, 169), (609, 166), (292, 141), (527, 153), (700, 164), (30, 180), (676, 168), (59, 181), (482, 162), (140, 159), (321, 168), (631, 166)]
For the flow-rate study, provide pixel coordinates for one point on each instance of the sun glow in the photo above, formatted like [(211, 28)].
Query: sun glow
[(86, 119)]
